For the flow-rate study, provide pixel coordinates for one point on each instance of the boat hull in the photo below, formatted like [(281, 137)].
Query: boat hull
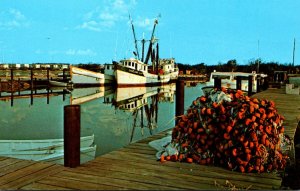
[(129, 77), (82, 77)]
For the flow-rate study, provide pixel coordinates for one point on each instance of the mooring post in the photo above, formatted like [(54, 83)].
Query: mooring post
[(19, 86), (11, 87), (72, 136), (239, 82), (48, 77), (0, 87), (217, 83), (179, 97), (35, 82), (258, 84), (31, 78), (250, 83), (64, 74), (48, 97)]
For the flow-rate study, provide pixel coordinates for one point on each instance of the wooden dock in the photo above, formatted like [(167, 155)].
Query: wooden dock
[(136, 167), (132, 167), (287, 105)]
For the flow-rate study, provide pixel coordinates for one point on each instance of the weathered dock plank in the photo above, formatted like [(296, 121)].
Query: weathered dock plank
[(31, 175)]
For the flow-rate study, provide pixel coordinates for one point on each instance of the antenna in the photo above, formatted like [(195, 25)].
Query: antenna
[(135, 41), (258, 60), (152, 40), (294, 52)]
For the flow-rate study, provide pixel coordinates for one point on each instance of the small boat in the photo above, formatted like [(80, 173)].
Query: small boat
[(38, 145), (228, 80), (82, 77), (46, 150), (53, 155)]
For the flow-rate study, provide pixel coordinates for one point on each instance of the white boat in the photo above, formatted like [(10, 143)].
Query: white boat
[(86, 154), (46, 150), (82, 77), (137, 72), (228, 80), (53, 155), (38, 145)]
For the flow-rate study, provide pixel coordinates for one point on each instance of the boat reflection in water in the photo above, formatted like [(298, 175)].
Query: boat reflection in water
[(142, 102)]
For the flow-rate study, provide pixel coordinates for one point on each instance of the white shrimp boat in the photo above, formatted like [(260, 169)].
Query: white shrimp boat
[(137, 72), (228, 80)]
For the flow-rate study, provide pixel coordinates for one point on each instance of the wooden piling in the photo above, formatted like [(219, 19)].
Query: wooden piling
[(48, 97), (250, 84), (72, 136), (64, 75), (258, 84), (48, 77), (11, 87), (179, 97), (217, 83), (239, 82), (19, 86), (31, 78)]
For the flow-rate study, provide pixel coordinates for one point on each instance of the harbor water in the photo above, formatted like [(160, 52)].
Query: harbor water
[(115, 117)]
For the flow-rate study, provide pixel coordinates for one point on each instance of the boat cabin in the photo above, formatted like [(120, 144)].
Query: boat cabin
[(134, 64), (168, 65)]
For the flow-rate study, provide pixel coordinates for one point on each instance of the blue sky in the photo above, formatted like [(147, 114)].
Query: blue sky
[(191, 31)]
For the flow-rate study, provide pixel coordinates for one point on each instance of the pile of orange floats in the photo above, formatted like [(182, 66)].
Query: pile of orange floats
[(243, 134)]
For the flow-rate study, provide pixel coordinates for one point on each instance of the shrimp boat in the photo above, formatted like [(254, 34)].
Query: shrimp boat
[(137, 72), (228, 80)]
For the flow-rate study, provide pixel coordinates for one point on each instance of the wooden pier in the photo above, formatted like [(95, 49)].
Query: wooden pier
[(287, 105), (132, 167), (136, 167)]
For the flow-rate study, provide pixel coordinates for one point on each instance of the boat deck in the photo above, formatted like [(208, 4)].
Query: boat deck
[(135, 167)]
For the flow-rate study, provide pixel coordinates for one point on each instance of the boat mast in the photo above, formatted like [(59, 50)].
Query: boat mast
[(135, 41), (143, 47), (152, 40)]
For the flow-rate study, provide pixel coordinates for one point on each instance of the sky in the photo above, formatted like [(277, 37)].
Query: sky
[(191, 31)]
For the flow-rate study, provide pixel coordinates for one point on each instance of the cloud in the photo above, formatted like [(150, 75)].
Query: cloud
[(107, 16), (146, 23), (13, 18), (86, 52)]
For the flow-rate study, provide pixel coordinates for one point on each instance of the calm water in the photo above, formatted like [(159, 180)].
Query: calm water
[(116, 117)]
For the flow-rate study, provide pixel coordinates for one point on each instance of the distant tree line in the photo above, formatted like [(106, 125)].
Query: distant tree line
[(231, 65)]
